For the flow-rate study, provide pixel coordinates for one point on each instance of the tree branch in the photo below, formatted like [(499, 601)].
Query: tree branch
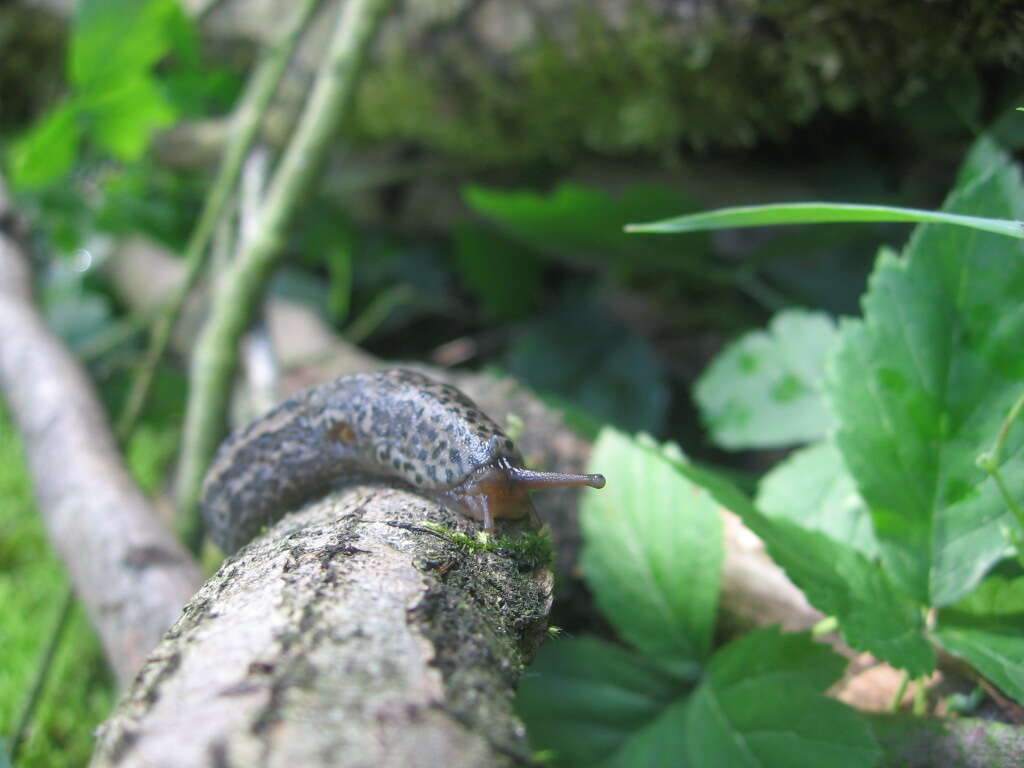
[(130, 572), (348, 634)]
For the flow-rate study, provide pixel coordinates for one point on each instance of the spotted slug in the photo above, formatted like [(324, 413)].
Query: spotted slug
[(397, 425)]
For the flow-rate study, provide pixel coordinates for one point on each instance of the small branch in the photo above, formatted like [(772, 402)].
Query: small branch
[(347, 635), (131, 573), (247, 121), (990, 461), (216, 354)]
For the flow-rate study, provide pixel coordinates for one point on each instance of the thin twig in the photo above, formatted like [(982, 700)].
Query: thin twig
[(990, 462), (247, 121), (238, 293), (41, 674)]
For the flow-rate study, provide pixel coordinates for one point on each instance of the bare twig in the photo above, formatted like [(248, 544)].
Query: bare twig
[(216, 354), (247, 122), (131, 573)]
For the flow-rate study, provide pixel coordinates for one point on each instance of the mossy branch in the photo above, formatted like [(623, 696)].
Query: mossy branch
[(235, 297), (247, 120)]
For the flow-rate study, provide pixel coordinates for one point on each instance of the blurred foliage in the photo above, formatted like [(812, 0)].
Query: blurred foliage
[(587, 223), (723, 77), (578, 352), (80, 691)]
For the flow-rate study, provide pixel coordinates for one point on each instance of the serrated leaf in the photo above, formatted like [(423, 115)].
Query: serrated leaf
[(765, 389), (579, 352), (762, 704), (986, 629), (588, 222), (837, 580), (503, 274), (813, 489), (48, 150), (591, 702), (921, 386), (652, 550)]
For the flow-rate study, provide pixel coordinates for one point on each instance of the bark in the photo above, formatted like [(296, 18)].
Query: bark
[(130, 572), (348, 635), (924, 742)]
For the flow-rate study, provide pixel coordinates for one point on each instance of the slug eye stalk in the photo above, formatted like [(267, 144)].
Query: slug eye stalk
[(528, 480)]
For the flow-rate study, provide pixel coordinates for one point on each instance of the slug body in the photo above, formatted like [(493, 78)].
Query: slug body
[(396, 424)]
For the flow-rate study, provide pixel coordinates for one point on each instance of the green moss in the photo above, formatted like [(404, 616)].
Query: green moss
[(650, 88), (529, 550), (80, 691)]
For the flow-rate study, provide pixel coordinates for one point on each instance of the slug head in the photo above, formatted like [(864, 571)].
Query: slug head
[(502, 489)]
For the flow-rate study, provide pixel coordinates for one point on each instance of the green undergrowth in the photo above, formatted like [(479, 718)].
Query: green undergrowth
[(529, 550), (647, 84), (80, 691)]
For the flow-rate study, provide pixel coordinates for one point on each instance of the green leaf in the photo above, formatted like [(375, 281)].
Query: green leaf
[(765, 389), (821, 213), (837, 580), (580, 352), (123, 116), (590, 702), (652, 550), (986, 629), (588, 222), (984, 157), (503, 274), (813, 489), (921, 387), (761, 704), (659, 744), (48, 150), (116, 40)]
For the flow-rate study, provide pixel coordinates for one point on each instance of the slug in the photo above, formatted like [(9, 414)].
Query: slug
[(396, 425)]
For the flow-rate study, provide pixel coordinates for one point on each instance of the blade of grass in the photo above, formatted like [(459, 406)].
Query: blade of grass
[(820, 213)]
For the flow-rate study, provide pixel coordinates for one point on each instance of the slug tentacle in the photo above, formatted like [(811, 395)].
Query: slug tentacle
[(396, 424)]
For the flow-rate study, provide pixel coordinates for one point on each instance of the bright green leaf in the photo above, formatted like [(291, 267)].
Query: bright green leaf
[(587, 222), (921, 386), (813, 489), (652, 550), (765, 389), (837, 580), (986, 629), (762, 704), (123, 116), (821, 213), (114, 40), (502, 273), (590, 701), (579, 352), (49, 149)]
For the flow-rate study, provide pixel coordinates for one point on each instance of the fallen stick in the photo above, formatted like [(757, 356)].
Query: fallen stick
[(131, 573)]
